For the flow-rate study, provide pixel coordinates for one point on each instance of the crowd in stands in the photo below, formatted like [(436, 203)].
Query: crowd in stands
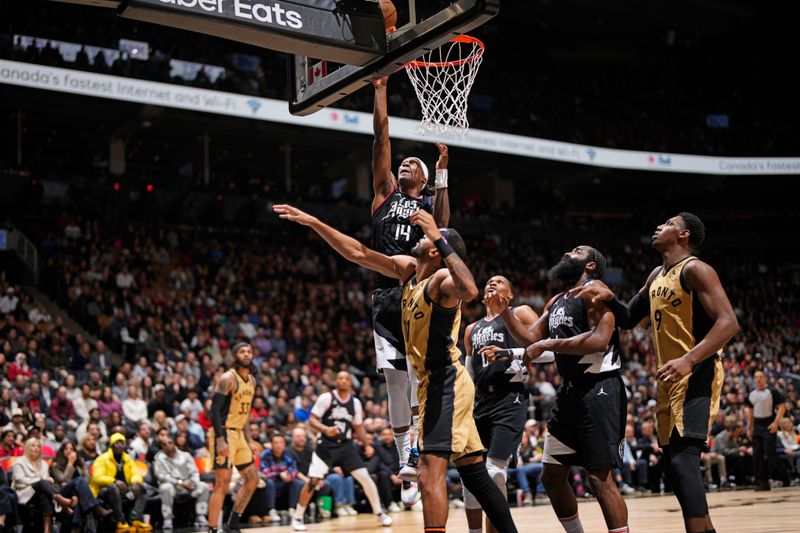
[(672, 93), (163, 305)]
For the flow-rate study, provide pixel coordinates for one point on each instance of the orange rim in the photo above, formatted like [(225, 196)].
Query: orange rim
[(442, 64)]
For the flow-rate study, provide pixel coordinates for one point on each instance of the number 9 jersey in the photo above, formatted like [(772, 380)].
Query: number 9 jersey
[(392, 232)]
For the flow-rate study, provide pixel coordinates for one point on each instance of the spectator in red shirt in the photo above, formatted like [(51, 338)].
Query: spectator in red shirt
[(19, 366), (8, 444), (61, 409)]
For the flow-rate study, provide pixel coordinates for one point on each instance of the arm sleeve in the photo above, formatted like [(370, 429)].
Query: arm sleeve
[(217, 401), (359, 416), (630, 314), (321, 405)]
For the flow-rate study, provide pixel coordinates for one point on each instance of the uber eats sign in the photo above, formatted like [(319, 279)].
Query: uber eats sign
[(344, 31)]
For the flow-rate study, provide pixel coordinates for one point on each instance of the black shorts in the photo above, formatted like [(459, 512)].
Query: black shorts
[(500, 425), (390, 348), (587, 425), (345, 456)]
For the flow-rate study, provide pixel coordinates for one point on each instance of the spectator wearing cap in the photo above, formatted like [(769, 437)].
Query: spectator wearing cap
[(114, 475), (17, 424), (8, 444), (160, 402), (194, 441)]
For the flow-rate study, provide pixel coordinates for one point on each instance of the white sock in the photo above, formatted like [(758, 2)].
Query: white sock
[(403, 443), (572, 524), (415, 425), (476, 530), (623, 529), (370, 489), (299, 511)]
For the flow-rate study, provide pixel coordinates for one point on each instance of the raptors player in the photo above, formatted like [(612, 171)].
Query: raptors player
[(393, 234)]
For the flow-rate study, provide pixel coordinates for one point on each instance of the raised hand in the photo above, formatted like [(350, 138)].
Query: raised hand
[(287, 212), (425, 221), (441, 163), (496, 303)]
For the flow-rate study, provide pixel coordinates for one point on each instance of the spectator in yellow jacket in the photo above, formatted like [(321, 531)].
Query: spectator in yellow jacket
[(114, 476)]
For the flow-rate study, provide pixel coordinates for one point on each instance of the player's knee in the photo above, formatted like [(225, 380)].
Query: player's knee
[(221, 482), (601, 480), (250, 478), (313, 483)]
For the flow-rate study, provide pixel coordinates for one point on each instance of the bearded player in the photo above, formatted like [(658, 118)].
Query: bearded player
[(692, 319), (501, 399), (228, 440), (436, 282), (393, 234), (586, 425)]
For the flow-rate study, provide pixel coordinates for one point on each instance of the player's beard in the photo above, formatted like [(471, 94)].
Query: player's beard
[(568, 270), (417, 251)]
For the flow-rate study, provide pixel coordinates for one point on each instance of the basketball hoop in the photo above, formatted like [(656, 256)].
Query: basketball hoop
[(442, 79)]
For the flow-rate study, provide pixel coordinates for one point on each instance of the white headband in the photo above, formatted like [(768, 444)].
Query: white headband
[(423, 165)]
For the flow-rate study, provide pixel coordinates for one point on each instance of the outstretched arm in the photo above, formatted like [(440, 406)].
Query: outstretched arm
[(399, 266), (441, 206), (626, 315), (382, 178), (703, 280)]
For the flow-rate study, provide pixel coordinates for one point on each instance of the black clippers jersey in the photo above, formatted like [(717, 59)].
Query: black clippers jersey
[(340, 415), (392, 232), (501, 377), (567, 319)]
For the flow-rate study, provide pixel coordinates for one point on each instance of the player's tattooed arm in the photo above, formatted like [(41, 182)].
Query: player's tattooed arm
[(222, 390)]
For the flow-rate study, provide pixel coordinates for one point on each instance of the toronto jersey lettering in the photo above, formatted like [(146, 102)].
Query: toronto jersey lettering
[(501, 377), (392, 232), (341, 415), (567, 319), (238, 403)]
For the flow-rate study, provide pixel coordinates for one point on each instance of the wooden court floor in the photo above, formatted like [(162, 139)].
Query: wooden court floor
[(742, 511)]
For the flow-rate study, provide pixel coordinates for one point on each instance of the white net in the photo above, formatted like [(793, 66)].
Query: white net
[(442, 79)]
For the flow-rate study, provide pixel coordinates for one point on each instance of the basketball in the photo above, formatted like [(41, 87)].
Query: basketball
[(389, 14)]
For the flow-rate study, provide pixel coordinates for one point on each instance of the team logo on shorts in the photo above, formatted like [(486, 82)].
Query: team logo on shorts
[(622, 448)]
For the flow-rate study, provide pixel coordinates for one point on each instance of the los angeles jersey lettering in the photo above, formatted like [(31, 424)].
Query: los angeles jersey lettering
[(501, 376), (392, 232), (340, 414), (430, 331), (678, 318), (240, 400), (567, 319)]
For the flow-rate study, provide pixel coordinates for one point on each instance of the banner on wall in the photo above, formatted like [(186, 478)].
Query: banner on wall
[(238, 105)]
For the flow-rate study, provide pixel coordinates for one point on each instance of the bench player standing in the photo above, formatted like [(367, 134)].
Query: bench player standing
[(692, 319), (501, 399), (393, 234), (586, 425)]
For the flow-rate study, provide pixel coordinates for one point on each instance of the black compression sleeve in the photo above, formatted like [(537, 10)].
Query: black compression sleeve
[(630, 314), (217, 401)]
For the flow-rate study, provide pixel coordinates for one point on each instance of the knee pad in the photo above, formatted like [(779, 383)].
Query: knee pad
[(498, 471)]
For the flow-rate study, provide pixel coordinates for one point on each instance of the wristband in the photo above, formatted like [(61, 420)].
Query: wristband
[(515, 353), (441, 178), (444, 248)]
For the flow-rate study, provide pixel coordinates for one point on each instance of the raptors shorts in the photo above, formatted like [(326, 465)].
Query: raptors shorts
[(691, 404), (239, 453), (446, 423), (390, 349), (587, 425)]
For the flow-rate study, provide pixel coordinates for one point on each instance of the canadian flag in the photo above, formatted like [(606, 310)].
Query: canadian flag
[(317, 71)]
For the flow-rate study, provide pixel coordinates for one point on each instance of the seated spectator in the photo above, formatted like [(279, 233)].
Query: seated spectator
[(177, 474), (194, 441), (529, 467), (85, 403), (62, 410), (94, 419), (384, 466), (279, 470), (88, 449), (114, 476), (8, 444), (108, 403), (17, 424), (19, 367), (31, 481), (158, 444), (632, 461), (652, 453), (791, 448), (728, 444), (134, 408), (160, 402), (70, 476), (141, 444), (191, 406)]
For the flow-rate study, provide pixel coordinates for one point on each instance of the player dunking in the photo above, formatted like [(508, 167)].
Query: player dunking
[(393, 234), (335, 417), (692, 319), (437, 280), (228, 441), (501, 400), (586, 424)]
